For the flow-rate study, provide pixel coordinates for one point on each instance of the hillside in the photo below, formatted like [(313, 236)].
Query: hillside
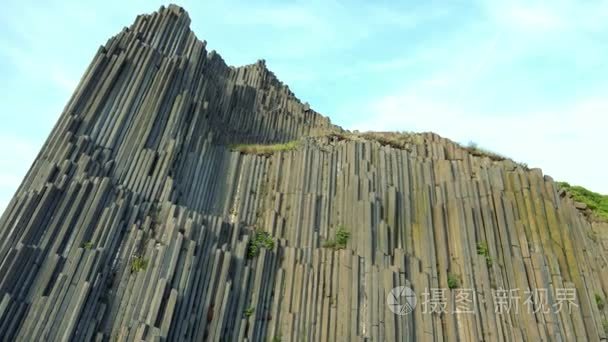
[(181, 199)]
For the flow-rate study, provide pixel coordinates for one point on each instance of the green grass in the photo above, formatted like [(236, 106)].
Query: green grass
[(452, 281), (594, 201), (398, 140), (249, 311), (342, 236), (477, 151), (482, 249), (599, 301), (87, 245), (265, 150), (138, 264), (260, 240)]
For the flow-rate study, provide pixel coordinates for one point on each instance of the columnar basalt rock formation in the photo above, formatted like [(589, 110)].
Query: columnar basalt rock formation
[(137, 218)]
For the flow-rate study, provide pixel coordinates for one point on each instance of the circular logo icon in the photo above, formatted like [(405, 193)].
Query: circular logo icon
[(401, 300)]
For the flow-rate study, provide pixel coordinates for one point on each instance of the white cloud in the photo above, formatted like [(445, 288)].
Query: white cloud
[(526, 17), (547, 16)]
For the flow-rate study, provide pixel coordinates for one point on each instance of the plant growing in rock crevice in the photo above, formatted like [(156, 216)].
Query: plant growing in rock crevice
[(258, 241), (138, 264), (599, 301), (483, 250), (249, 312), (453, 281), (340, 241)]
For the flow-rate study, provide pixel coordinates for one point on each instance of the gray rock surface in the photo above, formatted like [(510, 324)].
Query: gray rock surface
[(135, 221)]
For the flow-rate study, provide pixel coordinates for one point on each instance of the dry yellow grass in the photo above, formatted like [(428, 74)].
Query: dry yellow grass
[(265, 149)]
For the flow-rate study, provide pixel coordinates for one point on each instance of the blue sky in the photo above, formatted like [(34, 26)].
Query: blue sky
[(527, 79)]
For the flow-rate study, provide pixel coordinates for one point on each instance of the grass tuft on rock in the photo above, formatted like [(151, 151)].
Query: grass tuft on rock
[(138, 264), (249, 311), (482, 249), (265, 149), (477, 151), (453, 281), (340, 241), (599, 301), (258, 241)]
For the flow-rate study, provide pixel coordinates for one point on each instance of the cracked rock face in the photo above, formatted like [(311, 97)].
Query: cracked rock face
[(139, 220)]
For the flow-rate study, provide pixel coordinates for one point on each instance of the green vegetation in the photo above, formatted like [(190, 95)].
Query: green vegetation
[(594, 201), (277, 338), (138, 264), (399, 140), (265, 150), (477, 151), (599, 301), (605, 325), (452, 281), (392, 139), (342, 236), (260, 240), (87, 245), (249, 311), (482, 249)]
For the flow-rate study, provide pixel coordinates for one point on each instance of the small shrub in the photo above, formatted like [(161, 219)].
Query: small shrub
[(599, 301), (260, 240), (87, 245), (489, 261), (452, 281), (342, 236), (138, 264), (482, 249), (277, 338), (249, 311)]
